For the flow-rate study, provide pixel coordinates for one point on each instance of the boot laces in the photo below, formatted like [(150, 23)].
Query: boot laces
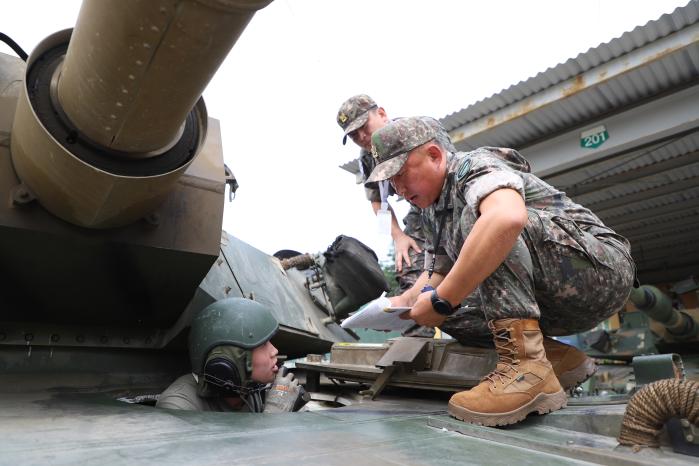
[(507, 367)]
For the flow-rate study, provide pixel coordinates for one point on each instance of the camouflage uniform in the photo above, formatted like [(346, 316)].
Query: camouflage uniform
[(413, 228), (567, 269), (182, 394)]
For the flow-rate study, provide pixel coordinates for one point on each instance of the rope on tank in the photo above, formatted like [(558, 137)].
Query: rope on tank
[(655, 404), (301, 262)]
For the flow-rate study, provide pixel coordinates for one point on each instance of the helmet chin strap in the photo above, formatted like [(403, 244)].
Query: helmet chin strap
[(251, 394), (254, 400), (227, 373)]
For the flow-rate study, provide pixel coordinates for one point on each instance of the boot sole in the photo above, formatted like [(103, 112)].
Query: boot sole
[(543, 403), (570, 379)]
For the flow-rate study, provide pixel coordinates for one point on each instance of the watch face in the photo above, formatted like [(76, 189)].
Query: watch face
[(444, 308), (440, 305)]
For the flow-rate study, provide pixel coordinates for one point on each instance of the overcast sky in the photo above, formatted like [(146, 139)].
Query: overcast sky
[(278, 91)]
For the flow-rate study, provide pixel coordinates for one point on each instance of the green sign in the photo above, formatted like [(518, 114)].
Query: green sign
[(593, 138)]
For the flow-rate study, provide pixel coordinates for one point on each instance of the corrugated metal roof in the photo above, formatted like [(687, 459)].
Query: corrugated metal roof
[(630, 164), (645, 82), (649, 194)]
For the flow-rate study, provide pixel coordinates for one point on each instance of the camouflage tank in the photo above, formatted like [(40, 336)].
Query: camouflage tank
[(114, 184)]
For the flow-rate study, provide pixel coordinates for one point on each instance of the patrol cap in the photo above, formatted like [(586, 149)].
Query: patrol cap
[(354, 113), (391, 144)]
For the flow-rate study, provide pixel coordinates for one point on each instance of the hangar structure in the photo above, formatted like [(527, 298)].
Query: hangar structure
[(617, 129)]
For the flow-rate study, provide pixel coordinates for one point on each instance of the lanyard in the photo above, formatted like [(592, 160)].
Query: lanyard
[(438, 234), (383, 191), (361, 168)]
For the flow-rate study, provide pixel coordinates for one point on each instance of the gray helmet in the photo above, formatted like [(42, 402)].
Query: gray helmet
[(238, 322)]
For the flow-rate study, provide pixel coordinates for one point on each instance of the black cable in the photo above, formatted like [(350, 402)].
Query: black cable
[(14, 46), (242, 293)]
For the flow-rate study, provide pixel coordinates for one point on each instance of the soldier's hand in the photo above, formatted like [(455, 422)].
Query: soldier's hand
[(399, 301), (286, 394), (403, 244), (423, 313)]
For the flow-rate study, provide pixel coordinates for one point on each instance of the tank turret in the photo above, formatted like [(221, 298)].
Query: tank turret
[(114, 174)]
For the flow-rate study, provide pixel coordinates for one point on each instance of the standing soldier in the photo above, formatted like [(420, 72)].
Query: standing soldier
[(359, 116)]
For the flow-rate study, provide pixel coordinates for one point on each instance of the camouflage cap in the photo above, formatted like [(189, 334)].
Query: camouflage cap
[(354, 113), (391, 144)]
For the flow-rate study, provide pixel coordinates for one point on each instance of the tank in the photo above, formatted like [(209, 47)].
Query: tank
[(114, 178), (650, 325), (110, 237), (671, 324)]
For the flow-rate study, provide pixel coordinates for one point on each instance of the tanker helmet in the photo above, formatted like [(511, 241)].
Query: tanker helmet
[(221, 340)]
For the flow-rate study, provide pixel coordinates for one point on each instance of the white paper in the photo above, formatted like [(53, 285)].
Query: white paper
[(378, 316)]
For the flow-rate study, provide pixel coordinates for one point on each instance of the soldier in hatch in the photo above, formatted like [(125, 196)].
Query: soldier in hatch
[(234, 363), (539, 262)]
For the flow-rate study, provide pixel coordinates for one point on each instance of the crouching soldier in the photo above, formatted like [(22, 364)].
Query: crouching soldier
[(234, 363), (540, 264)]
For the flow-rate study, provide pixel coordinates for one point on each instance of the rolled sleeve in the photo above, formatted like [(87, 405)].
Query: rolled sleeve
[(487, 183)]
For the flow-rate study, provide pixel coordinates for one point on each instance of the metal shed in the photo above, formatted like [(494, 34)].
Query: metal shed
[(617, 128)]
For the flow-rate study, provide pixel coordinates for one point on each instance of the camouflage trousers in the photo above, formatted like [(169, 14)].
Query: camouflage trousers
[(409, 275), (557, 273), (413, 228), (407, 278)]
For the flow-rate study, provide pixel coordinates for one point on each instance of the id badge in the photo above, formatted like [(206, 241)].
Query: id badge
[(384, 219)]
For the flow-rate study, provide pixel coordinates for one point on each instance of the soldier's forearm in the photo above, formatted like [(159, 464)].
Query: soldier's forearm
[(396, 232), (487, 245)]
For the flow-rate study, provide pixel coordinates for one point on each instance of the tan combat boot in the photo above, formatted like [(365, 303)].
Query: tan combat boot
[(571, 366), (522, 382)]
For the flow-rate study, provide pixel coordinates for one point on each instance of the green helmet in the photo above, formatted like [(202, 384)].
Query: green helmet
[(238, 322)]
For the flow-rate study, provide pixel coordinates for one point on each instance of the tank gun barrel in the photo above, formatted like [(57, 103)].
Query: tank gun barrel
[(130, 88), (657, 306), (117, 105)]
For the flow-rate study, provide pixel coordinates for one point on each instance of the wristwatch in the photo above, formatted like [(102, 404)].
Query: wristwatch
[(442, 306)]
